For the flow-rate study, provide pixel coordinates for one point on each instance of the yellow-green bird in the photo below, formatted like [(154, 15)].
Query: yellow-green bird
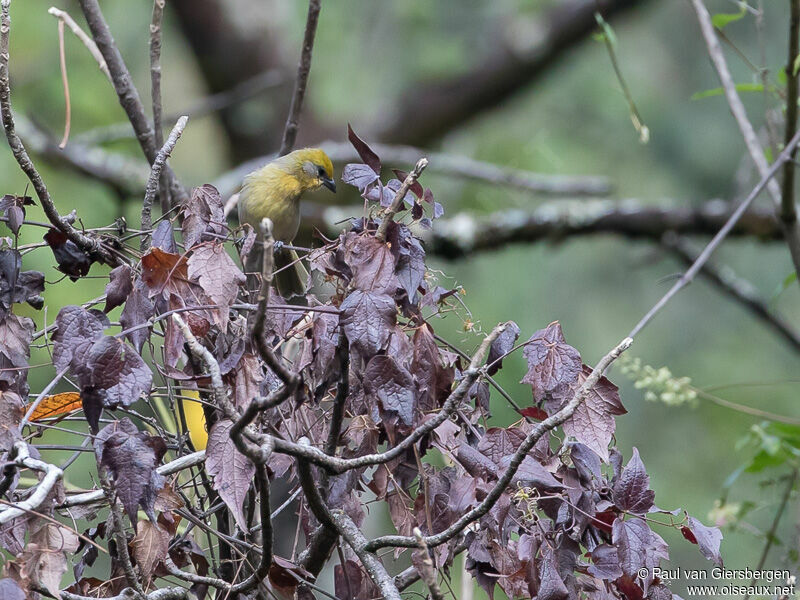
[(274, 192)]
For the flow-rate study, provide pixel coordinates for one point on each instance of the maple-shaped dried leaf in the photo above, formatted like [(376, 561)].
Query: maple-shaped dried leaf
[(393, 387), (16, 285), (9, 590), (352, 583), (164, 237), (132, 457), (149, 546), (72, 261), (119, 287), (372, 264), (552, 363), (499, 442), (637, 546), (410, 268), (501, 346), (707, 539), (551, 585), (118, 370), (232, 471), (137, 311), (12, 410), (592, 423), (631, 491), (76, 331), (358, 175), (204, 216), (164, 271), (605, 562), (368, 320), (218, 276), (45, 556)]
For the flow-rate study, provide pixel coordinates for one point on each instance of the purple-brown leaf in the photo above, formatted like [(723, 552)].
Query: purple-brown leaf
[(232, 471), (132, 457), (632, 491), (119, 287), (366, 153), (552, 363), (368, 320)]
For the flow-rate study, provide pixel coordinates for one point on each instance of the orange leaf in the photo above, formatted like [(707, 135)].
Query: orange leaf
[(56, 405)]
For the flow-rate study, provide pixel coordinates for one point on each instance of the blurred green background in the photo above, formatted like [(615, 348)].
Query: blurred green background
[(573, 120)]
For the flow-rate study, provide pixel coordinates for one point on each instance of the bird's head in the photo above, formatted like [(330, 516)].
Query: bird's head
[(311, 167)]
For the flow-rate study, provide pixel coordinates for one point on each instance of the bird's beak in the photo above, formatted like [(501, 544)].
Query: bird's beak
[(329, 183)]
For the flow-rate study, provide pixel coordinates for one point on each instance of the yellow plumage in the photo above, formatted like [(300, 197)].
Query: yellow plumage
[(274, 192), (195, 418)]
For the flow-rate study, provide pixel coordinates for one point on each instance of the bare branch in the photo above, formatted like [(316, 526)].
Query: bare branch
[(738, 289), (464, 235), (789, 223), (124, 175), (399, 198), (427, 112), (537, 432), (720, 236), (155, 176), (427, 571), (788, 210), (303, 70), (447, 164), (375, 569), (155, 89), (89, 245), (81, 35), (51, 475), (126, 92)]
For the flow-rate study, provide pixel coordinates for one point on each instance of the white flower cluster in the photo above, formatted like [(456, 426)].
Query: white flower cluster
[(658, 384)]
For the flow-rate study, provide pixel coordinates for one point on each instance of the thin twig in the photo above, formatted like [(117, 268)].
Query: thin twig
[(172, 467), (126, 92), (62, 59), (155, 89), (303, 70), (702, 259), (427, 570), (93, 247), (505, 479), (791, 229), (399, 198), (155, 175), (788, 211), (738, 289), (81, 35), (358, 543), (774, 528)]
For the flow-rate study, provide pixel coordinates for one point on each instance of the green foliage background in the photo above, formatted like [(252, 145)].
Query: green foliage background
[(573, 121)]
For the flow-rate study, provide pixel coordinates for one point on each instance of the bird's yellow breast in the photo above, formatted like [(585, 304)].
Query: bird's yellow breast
[(273, 194)]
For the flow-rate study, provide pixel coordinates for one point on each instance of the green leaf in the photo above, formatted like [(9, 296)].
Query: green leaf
[(796, 66), (718, 91), (720, 20)]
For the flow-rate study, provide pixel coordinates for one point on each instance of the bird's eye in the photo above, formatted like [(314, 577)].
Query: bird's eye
[(321, 172)]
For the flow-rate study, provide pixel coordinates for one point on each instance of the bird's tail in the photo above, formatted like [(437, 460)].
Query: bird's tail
[(291, 276)]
